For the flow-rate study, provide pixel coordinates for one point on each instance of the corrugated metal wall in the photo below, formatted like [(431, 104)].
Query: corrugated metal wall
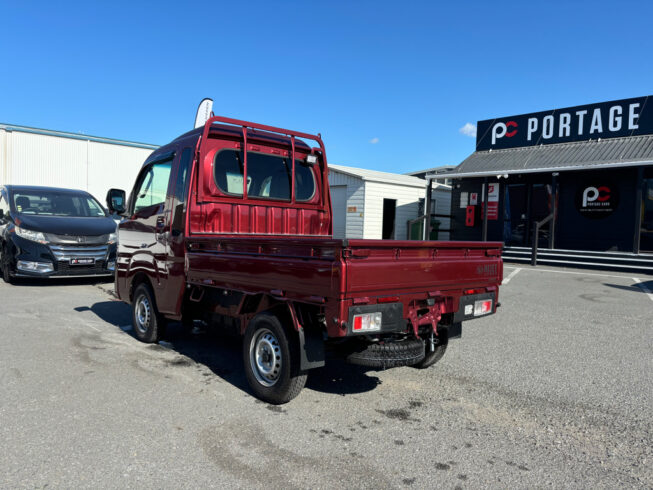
[(39, 159), (355, 206)]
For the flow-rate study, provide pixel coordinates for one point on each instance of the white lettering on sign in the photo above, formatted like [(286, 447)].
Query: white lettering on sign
[(547, 127), (589, 195), (495, 132), (597, 125), (622, 118), (532, 127), (581, 116), (614, 123), (632, 115), (565, 125)]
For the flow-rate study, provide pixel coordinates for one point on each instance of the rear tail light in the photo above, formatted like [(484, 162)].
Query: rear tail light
[(482, 307), (369, 322), (473, 291)]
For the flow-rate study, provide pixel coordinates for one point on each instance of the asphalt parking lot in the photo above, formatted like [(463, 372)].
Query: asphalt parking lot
[(554, 390)]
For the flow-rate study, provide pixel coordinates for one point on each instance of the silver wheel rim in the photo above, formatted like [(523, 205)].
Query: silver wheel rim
[(143, 312), (265, 357)]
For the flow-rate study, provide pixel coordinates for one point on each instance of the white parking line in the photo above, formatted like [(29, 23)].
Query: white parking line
[(644, 288), (538, 269), (512, 274)]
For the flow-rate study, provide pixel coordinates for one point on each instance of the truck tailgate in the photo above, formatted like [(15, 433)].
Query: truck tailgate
[(377, 266)]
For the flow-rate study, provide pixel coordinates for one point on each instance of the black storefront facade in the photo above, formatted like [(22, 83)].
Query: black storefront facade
[(581, 176)]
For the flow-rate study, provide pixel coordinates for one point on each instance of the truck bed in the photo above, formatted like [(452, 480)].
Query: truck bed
[(338, 273)]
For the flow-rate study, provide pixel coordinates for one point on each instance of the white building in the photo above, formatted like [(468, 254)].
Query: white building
[(376, 205), (31, 156)]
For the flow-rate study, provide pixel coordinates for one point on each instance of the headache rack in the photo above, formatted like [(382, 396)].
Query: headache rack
[(245, 125)]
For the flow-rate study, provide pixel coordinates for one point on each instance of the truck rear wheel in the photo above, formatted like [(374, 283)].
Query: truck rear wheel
[(148, 323), (272, 360)]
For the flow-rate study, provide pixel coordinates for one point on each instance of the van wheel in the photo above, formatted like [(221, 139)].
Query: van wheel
[(272, 360), (148, 323), (5, 267)]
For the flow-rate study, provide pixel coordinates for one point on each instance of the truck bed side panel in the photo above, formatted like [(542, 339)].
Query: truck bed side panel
[(291, 268), (377, 267)]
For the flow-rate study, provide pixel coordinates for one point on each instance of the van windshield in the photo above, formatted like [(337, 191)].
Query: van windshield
[(52, 203)]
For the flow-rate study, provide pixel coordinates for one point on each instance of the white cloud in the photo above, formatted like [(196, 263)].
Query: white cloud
[(374, 141), (468, 129)]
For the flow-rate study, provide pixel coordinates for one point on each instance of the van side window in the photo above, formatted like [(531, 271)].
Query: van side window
[(153, 186), (268, 176)]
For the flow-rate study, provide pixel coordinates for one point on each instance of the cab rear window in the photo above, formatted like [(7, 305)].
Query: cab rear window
[(268, 176)]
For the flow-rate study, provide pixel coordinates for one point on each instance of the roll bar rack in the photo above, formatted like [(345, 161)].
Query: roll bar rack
[(245, 125)]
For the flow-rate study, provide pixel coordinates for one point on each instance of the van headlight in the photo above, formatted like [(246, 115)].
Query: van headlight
[(35, 236), (113, 238)]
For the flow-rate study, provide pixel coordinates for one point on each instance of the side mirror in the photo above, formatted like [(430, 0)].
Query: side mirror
[(116, 201)]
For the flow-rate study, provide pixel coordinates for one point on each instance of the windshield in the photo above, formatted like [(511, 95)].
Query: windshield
[(53, 203)]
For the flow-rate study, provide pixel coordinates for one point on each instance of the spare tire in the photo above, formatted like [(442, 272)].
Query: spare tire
[(387, 354)]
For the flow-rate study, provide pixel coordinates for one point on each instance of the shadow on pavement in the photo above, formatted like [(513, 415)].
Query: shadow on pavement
[(638, 287), (222, 354)]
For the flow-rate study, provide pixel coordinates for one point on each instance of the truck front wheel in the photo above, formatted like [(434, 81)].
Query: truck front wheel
[(148, 323), (272, 360)]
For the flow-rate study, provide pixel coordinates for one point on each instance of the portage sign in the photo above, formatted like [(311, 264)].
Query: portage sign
[(616, 119)]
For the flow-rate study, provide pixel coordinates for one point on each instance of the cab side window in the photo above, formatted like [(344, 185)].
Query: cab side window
[(153, 186), (181, 190)]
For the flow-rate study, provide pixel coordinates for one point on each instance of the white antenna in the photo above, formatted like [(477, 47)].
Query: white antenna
[(203, 112)]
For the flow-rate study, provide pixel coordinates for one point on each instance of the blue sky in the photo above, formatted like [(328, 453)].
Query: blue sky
[(388, 84)]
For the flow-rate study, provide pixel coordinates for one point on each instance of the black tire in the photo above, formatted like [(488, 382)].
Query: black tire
[(271, 356), (435, 355), (388, 354), (148, 323), (5, 268)]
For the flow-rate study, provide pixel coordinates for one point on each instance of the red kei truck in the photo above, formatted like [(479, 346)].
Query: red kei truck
[(231, 224)]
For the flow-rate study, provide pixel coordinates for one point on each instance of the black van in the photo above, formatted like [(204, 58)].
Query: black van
[(51, 232)]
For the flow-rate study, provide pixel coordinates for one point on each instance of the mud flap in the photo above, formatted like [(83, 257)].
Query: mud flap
[(311, 350), (455, 330)]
